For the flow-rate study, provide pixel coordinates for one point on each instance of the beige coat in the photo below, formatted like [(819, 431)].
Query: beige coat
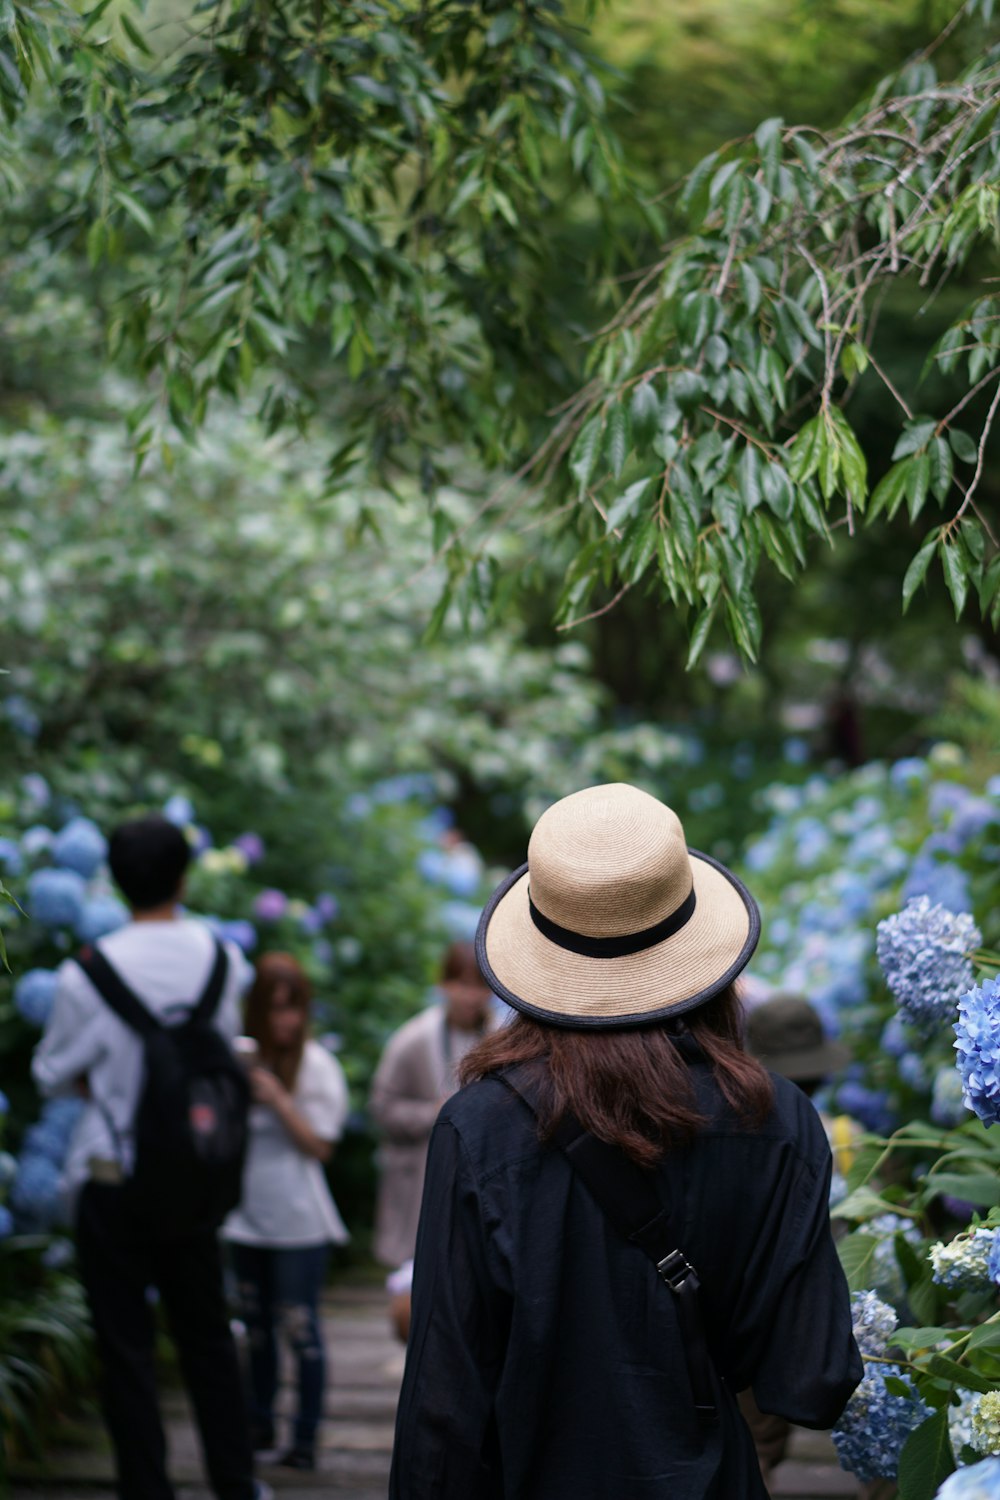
[(416, 1072)]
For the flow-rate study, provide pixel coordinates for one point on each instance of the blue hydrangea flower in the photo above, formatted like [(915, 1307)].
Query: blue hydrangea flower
[(36, 789), (912, 1070), (963, 1263), (56, 897), (960, 1421), (240, 932), (875, 1424), (909, 772), (993, 1260), (923, 953), (21, 717), (977, 1482), (4, 1104), (874, 1322), (178, 809), (887, 1277), (35, 1195), (947, 1101), (36, 839), (870, 1107), (11, 858), (270, 906), (8, 1169), (897, 1037), (977, 1042), (100, 915), (80, 846), (34, 994), (251, 846), (6, 1222), (58, 1253), (944, 885)]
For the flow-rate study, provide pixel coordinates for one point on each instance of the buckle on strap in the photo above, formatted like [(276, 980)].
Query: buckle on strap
[(674, 1270)]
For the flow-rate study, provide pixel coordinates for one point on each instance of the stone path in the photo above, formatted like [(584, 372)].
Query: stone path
[(356, 1437)]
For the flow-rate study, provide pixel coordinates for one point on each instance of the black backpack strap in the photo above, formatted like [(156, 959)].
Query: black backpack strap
[(211, 995), (116, 994), (628, 1196)]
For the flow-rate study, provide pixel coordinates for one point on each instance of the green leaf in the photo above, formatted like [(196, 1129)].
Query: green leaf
[(617, 440), (863, 1203), (917, 571), (645, 411), (962, 445), (926, 1459), (955, 574), (857, 1256), (940, 467), (748, 477), (750, 284), (803, 456), (627, 504), (854, 360), (915, 435), (918, 479), (585, 451), (97, 237), (890, 491), (699, 635), (980, 1188), (960, 1375), (134, 208), (134, 35)]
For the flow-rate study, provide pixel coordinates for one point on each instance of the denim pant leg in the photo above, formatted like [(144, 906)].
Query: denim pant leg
[(299, 1276), (255, 1291)]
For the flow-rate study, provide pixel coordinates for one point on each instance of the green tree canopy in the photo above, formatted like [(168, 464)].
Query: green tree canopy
[(373, 213)]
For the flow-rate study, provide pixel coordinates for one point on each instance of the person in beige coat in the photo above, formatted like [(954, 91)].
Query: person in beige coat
[(416, 1074)]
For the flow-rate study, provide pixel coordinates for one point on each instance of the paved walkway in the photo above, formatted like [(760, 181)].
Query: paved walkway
[(356, 1438)]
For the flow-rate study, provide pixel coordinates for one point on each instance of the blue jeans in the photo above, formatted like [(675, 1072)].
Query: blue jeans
[(278, 1293)]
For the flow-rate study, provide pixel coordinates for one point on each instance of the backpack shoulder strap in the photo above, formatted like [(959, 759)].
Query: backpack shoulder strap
[(211, 995), (116, 994), (628, 1196)]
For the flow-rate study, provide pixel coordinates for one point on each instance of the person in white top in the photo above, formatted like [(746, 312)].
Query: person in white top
[(165, 958), (282, 1230)]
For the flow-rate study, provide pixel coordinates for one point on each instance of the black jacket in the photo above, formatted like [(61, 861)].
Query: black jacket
[(545, 1360)]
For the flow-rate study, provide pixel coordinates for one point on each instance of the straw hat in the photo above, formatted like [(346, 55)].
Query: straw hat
[(614, 921)]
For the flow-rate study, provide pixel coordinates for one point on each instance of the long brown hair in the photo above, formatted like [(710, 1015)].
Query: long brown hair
[(632, 1088), (274, 971)]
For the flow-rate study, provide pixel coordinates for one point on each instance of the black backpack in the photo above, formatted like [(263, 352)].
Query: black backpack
[(191, 1122)]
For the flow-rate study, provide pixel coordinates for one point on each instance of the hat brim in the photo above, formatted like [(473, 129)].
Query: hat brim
[(805, 1066), (562, 988)]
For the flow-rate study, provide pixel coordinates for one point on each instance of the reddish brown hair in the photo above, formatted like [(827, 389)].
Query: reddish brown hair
[(632, 1088), (275, 971)]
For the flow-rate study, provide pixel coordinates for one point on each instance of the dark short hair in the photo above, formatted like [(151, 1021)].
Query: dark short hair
[(148, 858), (460, 963)]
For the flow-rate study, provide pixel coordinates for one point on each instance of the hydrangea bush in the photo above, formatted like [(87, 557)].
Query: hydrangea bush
[(879, 892)]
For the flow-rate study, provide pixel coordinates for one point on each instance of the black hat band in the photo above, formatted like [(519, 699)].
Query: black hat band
[(613, 947)]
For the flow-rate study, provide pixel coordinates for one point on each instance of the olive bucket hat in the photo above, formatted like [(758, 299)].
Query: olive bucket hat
[(614, 921)]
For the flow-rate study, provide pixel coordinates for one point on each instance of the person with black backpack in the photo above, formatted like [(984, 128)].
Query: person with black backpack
[(141, 1026)]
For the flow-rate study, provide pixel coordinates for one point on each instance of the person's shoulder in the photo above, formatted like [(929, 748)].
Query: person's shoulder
[(494, 1123), (322, 1066), (794, 1116), (417, 1028)]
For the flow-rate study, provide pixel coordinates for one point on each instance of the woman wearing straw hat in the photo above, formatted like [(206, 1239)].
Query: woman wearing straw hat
[(625, 1216)]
